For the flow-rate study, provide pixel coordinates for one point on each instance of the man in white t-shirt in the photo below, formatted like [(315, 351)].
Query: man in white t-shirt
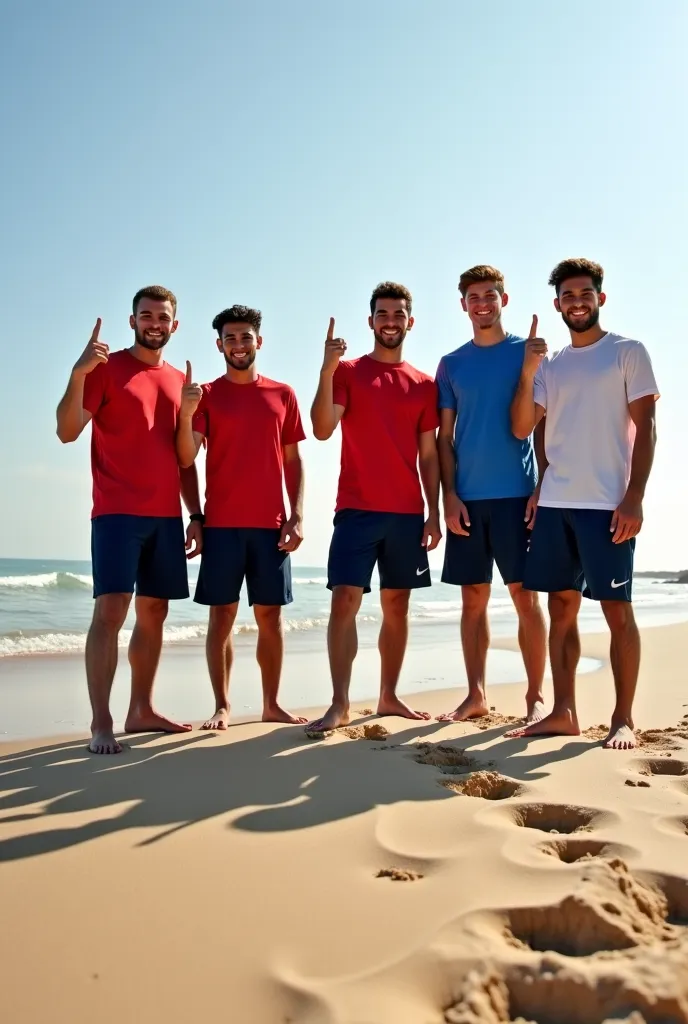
[(598, 398)]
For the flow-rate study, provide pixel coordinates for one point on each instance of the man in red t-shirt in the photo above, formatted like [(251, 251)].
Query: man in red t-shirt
[(252, 428), (388, 412), (137, 533)]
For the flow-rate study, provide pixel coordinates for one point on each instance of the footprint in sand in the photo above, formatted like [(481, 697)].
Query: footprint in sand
[(450, 760), (399, 874), (558, 818), (662, 766), (571, 851), (641, 921), (487, 785)]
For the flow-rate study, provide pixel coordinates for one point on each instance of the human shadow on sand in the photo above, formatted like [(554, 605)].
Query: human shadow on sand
[(277, 781)]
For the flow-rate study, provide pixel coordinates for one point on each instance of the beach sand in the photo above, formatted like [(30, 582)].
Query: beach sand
[(437, 875)]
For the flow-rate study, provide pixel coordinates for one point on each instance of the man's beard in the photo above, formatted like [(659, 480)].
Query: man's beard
[(486, 325), (242, 363), (153, 345), (581, 326), (391, 343)]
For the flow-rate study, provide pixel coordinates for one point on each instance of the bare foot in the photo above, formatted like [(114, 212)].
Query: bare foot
[(474, 706), (278, 714), (621, 737), (219, 720), (394, 706), (103, 742), (151, 721), (535, 712), (559, 723), (335, 716)]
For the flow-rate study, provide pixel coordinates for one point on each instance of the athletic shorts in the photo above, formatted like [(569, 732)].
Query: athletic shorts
[(233, 554), (498, 533), (572, 549), (142, 554), (392, 540)]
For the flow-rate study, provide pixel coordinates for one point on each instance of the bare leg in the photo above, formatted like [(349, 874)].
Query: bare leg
[(144, 654), (392, 646), (564, 654), (475, 641), (625, 660), (219, 654), (342, 647), (270, 654), (109, 613), (532, 639)]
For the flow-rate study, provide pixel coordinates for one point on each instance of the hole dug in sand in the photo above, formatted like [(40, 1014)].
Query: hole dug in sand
[(569, 851), (662, 766), (374, 731), (564, 818), (487, 785), (633, 958), (450, 760)]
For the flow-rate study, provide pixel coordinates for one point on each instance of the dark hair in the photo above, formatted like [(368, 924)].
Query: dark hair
[(154, 291), (238, 315), (390, 290), (576, 268), (483, 272)]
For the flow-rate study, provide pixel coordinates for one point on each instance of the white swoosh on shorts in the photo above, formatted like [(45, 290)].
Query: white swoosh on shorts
[(419, 572), (622, 584)]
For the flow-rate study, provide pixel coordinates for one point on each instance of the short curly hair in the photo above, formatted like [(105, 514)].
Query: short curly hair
[(238, 315), (390, 290), (154, 291), (576, 268)]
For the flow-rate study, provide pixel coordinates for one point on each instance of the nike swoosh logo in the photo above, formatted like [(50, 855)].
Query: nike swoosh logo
[(622, 584), (419, 572)]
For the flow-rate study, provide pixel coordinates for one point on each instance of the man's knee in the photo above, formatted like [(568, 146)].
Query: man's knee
[(222, 616), (395, 603), (619, 615), (563, 606), (475, 598), (268, 618), (345, 602), (111, 610), (151, 611), (526, 602)]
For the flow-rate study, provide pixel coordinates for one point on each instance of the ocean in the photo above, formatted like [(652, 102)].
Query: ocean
[(46, 607)]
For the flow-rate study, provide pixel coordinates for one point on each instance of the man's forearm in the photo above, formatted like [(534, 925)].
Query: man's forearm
[(430, 477), (188, 485), (642, 458), (322, 411), (186, 446), (523, 408), (447, 457), (70, 411), (539, 445), (294, 482)]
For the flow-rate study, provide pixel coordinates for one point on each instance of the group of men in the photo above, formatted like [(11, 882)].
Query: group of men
[(542, 460)]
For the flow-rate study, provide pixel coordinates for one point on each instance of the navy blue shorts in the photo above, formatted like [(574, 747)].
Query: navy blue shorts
[(393, 540), (572, 549), (145, 554), (498, 533), (233, 554)]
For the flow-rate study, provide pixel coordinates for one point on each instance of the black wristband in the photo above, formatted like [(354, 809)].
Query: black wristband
[(196, 517)]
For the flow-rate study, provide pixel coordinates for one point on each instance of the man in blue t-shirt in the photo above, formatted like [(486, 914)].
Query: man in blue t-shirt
[(488, 478)]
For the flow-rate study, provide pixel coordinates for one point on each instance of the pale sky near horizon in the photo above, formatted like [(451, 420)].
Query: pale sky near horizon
[(290, 156)]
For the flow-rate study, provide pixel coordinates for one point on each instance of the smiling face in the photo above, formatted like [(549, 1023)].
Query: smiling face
[(390, 322), (239, 345), (484, 302), (579, 303), (153, 323)]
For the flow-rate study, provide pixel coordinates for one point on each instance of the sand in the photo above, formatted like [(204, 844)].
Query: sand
[(433, 874)]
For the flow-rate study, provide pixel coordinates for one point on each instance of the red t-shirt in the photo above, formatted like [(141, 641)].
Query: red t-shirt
[(134, 408), (386, 407), (246, 427)]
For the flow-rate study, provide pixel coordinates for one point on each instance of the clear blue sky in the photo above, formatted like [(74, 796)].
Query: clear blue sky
[(292, 155)]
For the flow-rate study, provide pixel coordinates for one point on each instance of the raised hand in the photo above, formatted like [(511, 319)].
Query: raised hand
[(334, 350), (95, 352), (191, 394), (536, 350)]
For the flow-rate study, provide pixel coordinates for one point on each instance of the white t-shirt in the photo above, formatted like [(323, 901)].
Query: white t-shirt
[(589, 432)]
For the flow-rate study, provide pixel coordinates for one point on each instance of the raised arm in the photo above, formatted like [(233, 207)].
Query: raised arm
[(526, 413), (71, 415), (188, 440), (429, 466), (325, 414)]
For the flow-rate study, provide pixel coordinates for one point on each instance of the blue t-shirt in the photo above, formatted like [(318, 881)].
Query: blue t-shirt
[(479, 383)]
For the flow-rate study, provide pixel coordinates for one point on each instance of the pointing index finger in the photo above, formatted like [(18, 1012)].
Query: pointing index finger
[(330, 330), (189, 378), (96, 330), (533, 328)]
